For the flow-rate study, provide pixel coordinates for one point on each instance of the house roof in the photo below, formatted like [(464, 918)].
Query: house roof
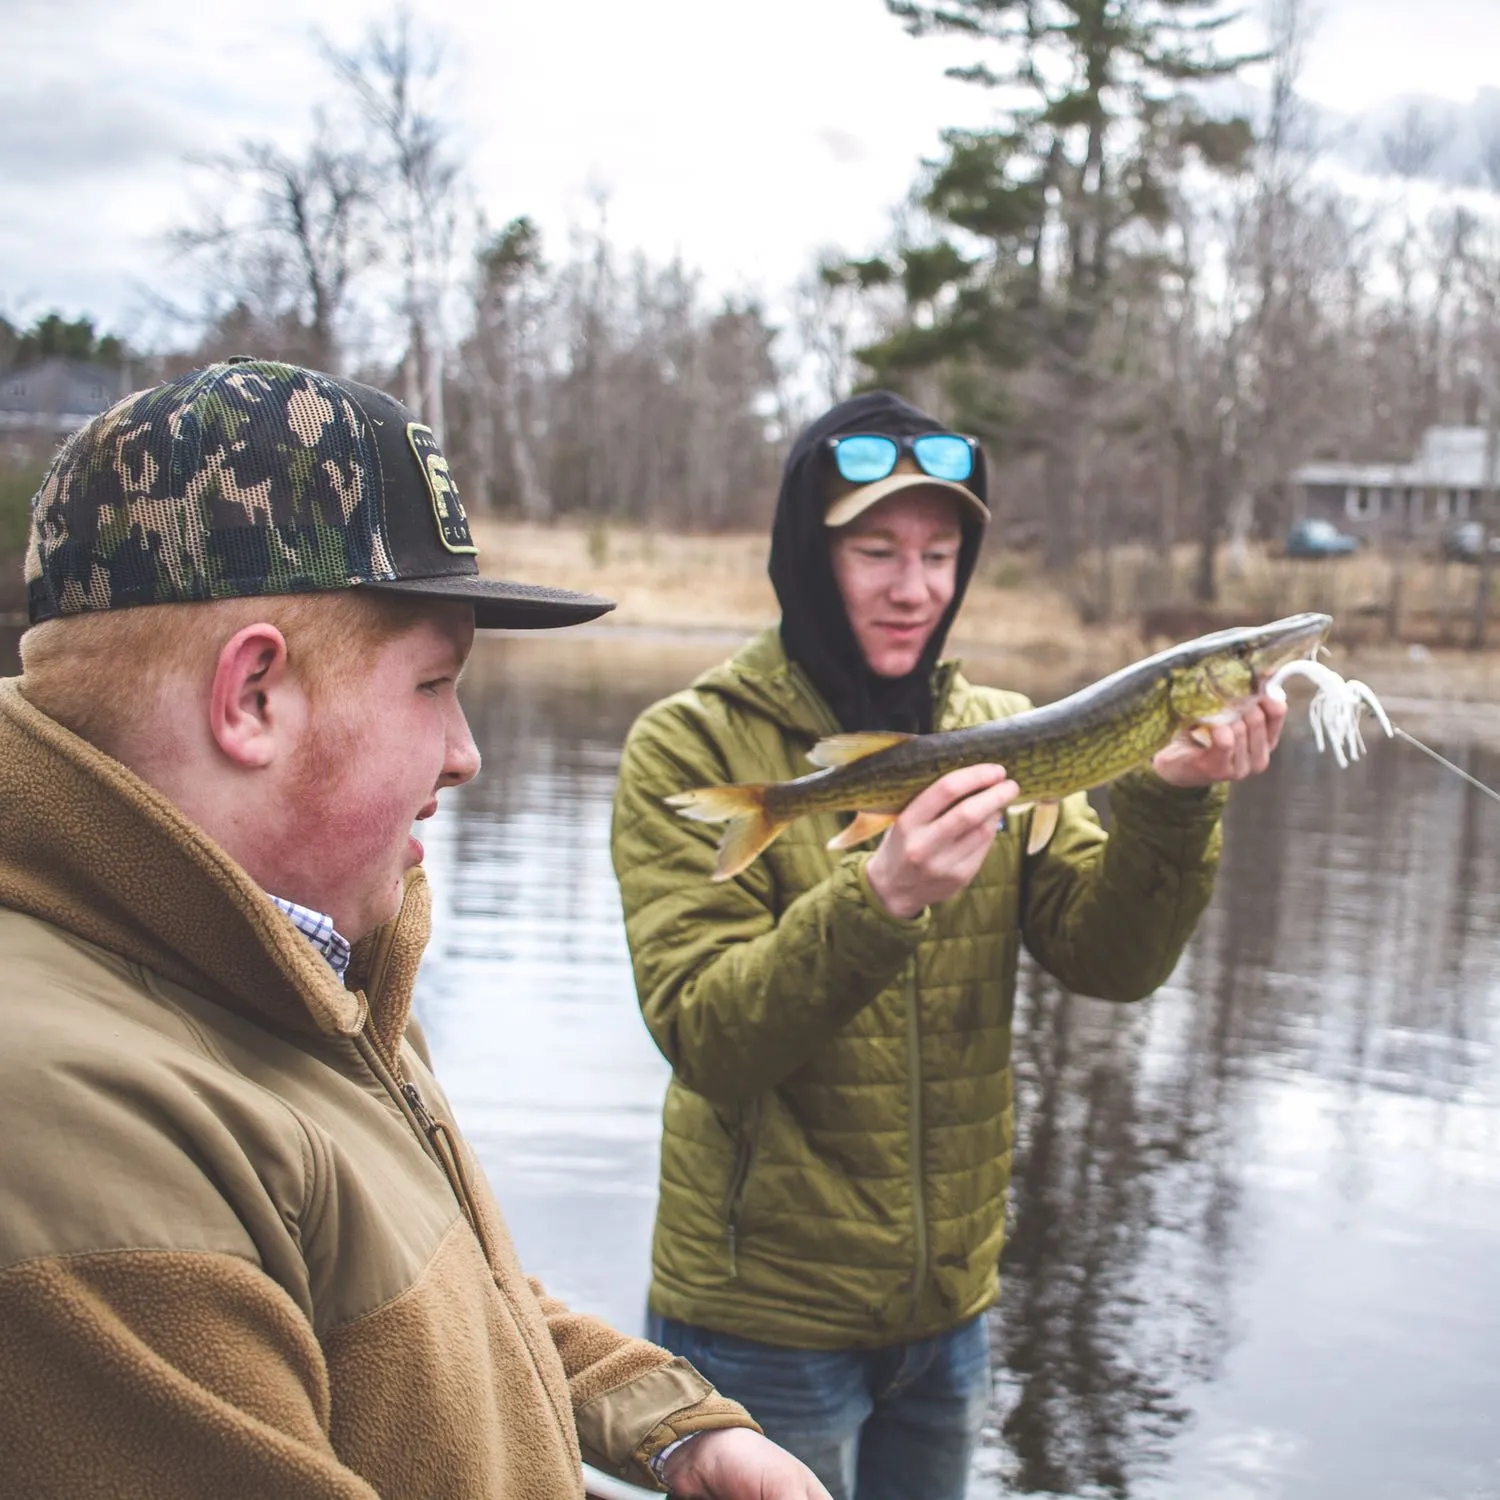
[(1449, 458), (1346, 474), (60, 394)]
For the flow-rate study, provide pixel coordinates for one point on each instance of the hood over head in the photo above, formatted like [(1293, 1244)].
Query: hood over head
[(815, 629)]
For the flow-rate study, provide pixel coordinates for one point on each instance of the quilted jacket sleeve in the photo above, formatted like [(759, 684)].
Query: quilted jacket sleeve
[(1109, 914), (736, 992)]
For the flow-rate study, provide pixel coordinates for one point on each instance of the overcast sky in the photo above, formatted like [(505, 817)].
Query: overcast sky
[(743, 135)]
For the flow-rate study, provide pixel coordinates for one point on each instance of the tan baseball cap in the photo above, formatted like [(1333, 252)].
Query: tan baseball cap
[(848, 500)]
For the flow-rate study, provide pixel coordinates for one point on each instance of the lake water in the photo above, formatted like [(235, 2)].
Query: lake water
[(1256, 1239), (1256, 1221)]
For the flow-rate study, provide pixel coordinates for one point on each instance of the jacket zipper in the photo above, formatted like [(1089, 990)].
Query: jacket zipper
[(744, 1159), (942, 688), (914, 1081), (419, 1108), (442, 1144), (434, 1133)]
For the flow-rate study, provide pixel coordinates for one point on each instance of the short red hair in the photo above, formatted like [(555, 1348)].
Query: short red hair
[(98, 673)]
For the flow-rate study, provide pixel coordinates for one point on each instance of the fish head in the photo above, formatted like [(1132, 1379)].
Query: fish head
[(1216, 677)]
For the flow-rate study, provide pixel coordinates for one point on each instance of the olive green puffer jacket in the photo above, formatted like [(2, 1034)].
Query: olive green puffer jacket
[(837, 1134)]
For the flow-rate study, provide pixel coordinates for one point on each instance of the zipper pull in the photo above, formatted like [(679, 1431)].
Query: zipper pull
[(418, 1108)]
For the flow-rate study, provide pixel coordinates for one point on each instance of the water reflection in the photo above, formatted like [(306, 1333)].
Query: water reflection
[(1255, 1220)]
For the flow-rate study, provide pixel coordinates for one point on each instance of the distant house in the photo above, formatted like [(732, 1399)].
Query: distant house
[(1440, 485), (42, 403)]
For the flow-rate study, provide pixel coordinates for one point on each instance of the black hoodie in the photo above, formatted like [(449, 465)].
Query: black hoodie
[(815, 629)]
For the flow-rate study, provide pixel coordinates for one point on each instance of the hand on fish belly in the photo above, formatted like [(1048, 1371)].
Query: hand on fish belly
[(939, 841), (1236, 750)]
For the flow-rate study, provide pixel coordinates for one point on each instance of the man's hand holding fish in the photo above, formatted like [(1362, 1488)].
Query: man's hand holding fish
[(940, 840), (1237, 750)]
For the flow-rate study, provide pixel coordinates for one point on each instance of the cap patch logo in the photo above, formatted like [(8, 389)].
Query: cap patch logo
[(447, 508)]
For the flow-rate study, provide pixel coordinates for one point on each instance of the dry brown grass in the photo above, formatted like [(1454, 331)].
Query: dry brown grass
[(657, 580), (1436, 597), (719, 584)]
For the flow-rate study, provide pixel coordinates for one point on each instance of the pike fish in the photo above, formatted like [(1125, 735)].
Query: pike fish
[(1078, 742)]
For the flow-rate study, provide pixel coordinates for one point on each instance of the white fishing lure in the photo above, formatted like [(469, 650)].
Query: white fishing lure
[(1335, 710)]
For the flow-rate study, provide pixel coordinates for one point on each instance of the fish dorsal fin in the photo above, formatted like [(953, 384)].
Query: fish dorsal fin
[(865, 826), (845, 749), (1043, 826)]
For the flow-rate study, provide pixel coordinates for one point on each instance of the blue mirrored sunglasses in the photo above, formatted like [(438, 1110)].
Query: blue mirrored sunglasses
[(863, 457)]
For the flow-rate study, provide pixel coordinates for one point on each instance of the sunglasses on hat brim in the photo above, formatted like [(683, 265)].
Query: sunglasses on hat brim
[(863, 457)]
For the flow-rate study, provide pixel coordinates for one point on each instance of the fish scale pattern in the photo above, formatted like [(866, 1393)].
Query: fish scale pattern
[(838, 1131)]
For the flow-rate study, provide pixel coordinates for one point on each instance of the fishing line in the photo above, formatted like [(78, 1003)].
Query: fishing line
[(1335, 711), (1473, 781)]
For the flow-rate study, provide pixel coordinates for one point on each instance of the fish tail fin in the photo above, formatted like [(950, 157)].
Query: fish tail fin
[(751, 828)]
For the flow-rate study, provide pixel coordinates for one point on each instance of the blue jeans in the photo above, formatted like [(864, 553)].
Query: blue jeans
[(897, 1423)]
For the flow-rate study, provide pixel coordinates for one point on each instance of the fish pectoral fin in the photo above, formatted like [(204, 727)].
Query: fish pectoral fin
[(1043, 826), (845, 749), (1202, 736), (865, 826)]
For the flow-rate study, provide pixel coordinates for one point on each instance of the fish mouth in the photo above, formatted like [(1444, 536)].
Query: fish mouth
[(1271, 646), (1236, 664)]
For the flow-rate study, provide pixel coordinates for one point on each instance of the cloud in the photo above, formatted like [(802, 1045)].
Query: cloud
[(62, 134), (846, 149), (738, 145)]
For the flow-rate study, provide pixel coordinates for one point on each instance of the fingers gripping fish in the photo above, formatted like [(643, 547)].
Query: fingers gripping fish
[(1079, 742)]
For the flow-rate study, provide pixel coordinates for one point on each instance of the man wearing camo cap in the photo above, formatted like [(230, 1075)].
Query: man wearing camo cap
[(244, 1251)]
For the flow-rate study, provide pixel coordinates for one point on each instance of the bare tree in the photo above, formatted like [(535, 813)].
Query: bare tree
[(287, 238), (829, 311), (1411, 146), (1479, 253), (497, 357), (611, 392), (395, 80)]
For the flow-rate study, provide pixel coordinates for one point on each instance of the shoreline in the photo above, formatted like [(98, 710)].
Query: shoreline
[(701, 595), (1455, 698)]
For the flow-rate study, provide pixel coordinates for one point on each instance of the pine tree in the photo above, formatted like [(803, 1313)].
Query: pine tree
[(1101, 111)]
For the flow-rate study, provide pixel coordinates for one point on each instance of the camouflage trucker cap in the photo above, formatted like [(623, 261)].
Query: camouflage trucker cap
[(252, 477)]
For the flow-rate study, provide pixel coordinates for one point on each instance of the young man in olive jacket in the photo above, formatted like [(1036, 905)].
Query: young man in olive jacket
[(838, 1129), (244, 1251)]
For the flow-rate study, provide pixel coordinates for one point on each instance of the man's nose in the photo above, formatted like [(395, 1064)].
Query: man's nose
[(462, 761), (909, 586)]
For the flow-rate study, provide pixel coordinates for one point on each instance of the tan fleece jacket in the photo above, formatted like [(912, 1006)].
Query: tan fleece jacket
[(242, 1251)]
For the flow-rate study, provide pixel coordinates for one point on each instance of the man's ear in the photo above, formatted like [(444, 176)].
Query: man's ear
[(256, 707)]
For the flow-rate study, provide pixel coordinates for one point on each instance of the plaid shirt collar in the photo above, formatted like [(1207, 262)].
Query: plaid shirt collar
[(318, 929)]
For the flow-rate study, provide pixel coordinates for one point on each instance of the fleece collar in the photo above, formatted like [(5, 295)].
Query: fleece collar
[(88, 846)]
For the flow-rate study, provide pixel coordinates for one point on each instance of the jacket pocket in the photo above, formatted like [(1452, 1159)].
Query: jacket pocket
[(746, 1139)]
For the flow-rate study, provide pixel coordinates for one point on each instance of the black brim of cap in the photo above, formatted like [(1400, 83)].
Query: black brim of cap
[(500, 604)]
